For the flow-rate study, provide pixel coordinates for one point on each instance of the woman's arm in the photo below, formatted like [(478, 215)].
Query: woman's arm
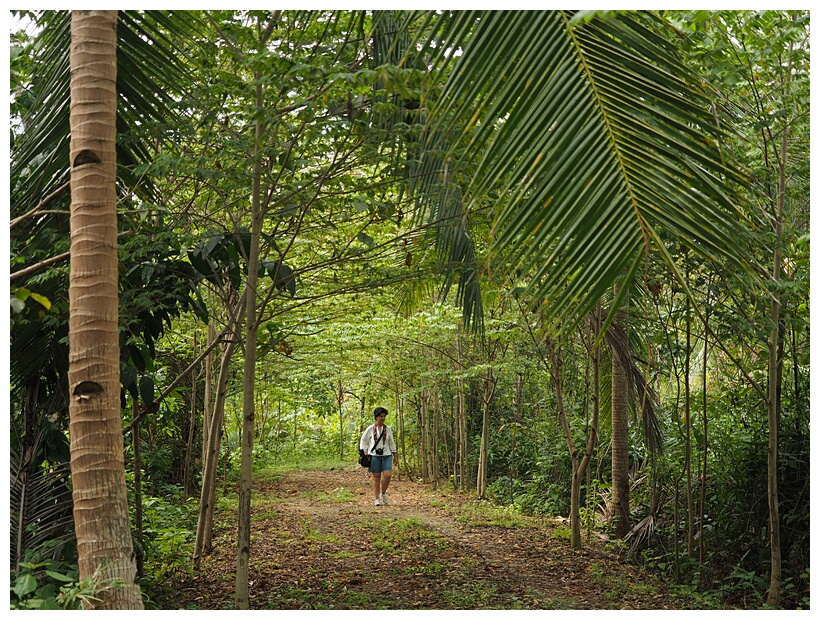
[(364, 442), (391, 442)]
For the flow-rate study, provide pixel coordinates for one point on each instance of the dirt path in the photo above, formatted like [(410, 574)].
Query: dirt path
[(319, 543)]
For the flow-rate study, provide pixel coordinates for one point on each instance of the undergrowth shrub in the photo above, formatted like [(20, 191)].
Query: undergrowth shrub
[(168, 536), (48, 579)]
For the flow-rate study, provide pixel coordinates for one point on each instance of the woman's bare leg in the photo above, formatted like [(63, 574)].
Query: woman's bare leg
[(386, 476), (375, 479)]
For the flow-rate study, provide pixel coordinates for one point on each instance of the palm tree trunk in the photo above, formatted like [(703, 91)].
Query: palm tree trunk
[(104, 545)]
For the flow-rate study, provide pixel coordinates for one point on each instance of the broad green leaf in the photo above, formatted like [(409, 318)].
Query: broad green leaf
[(24, 584)]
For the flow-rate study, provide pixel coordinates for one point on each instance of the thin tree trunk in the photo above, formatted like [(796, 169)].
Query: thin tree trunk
[(464, 444), (278, 427), (519, 389), (102, 527), (248, 413), (423, 452), (687, 409), (775, 377), (215, 441), (207, 498), (457, 455), (575, 483), (483, 455), (436, 465), (579, 464), (339, 397), (461, 425), (450, 448), (402, 450), (189, 444), (262, 403), (431, 437), (620, 437), (592, 436), (582, 466), (207, 408), (701, 537), (137, 446)]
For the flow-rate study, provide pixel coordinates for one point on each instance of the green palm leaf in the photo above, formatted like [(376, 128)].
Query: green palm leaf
[(149, 74), (593, 139)]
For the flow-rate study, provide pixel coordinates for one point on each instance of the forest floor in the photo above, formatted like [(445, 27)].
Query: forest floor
[(318, 542)]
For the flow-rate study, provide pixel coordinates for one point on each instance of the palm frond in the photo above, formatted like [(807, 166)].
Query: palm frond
[(439, 206), (149, 74), (40, 507), (594, 139)]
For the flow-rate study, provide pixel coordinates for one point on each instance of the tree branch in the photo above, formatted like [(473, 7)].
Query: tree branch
[(43, 203)]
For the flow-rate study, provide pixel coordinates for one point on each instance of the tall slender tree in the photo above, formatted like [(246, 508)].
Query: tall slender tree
[(251, 331), (620, 435)]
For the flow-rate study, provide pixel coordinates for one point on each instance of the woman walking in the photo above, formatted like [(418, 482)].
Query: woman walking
[(377, 441)]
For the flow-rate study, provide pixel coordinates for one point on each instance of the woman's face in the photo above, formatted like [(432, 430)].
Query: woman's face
[(380, 419)]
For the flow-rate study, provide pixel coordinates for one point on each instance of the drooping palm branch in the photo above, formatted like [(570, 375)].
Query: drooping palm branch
[(591, 138), (439, 208)]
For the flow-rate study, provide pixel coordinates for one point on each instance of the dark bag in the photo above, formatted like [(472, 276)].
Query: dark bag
[(364, 459)]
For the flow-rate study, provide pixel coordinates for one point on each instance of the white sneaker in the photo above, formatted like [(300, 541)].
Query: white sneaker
[(377, 503), (383, 497)]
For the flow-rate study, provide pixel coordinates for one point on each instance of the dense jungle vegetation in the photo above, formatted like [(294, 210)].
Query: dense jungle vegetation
[(568, 252)]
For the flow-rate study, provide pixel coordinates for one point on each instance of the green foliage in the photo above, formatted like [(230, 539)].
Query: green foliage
[(52, 585), (340, 495), (297, 460), (168, 536), (478, 596), (431, 569), (562, 532), (45, 585), (485, 514), (312, 535)]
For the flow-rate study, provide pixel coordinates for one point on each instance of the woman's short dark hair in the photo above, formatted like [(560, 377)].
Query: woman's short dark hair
[(379, 411)]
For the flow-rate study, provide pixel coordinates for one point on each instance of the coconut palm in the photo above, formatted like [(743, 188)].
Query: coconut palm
[(100, 496), (104, 101)]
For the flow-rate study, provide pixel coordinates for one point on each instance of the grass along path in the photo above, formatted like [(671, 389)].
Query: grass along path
[(318, 542)]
